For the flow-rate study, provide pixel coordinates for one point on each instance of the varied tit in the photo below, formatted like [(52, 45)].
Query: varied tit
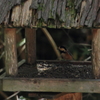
[(65, 53)]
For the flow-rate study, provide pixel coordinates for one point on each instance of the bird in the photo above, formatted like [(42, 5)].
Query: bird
[(65, 54)]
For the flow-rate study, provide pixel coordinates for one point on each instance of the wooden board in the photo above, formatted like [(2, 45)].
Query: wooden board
[(51, 85)]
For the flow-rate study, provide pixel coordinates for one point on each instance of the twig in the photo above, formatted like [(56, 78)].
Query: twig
[(17, 97), (88, 95), (89, 49), (21, 43), (1, 70), (22, 49), (52, 42), (19, 30), (87, 58), (2, 42), (19, 64), (2, 55), (12, 95), (83, 44), (67, 33)]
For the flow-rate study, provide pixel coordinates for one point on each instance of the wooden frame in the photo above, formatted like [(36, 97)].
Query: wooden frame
[(38, 84), (56, 14)]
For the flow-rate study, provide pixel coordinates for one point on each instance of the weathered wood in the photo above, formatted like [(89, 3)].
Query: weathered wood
[(34, 4), (51, 85), (96, 53), (97, 21), (50, 13), (85, 8), (30, 45), (92, 13), (10, 52), (5, 7), (22, 15)]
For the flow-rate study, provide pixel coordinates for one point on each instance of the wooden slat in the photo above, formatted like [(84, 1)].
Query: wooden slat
[(51, 85)]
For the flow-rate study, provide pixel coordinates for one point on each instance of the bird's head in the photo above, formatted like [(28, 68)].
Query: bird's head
[(62, 49)]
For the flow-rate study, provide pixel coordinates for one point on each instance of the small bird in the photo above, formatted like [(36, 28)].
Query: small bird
[(65, 54)]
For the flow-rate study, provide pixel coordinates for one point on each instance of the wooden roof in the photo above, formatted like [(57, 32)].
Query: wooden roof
[(50, 13)]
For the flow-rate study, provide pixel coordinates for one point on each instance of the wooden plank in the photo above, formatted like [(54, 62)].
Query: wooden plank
[(30, 45), (10, 52), (51, 85)]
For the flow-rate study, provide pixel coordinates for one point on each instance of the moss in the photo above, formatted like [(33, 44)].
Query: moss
[(70, 13), (70, 5), (40, 22), (51, 23), (41, 6)]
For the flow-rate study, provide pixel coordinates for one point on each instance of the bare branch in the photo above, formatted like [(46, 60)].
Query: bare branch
[(53, 44), (12, 95)]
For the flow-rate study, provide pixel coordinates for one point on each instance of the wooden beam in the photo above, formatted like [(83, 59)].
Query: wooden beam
[(96, 53), (30, 45), (51, 85), (10, 52)]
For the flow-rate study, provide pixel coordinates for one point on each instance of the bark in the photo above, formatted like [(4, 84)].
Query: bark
[(10, 52), (50, 13)]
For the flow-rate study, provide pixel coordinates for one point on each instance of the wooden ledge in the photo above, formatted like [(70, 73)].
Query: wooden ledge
[(50, 85)]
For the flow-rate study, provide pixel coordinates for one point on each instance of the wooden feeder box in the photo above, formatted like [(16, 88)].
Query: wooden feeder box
[(55, 14)]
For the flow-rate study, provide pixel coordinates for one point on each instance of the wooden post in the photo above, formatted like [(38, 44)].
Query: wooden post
[(96, 53), (10, 51), (30, 45)]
